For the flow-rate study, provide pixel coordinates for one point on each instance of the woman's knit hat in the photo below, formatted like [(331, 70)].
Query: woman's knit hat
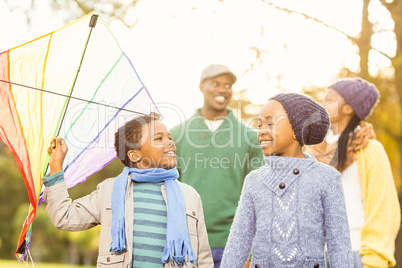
[(309, 120), (361, 95)]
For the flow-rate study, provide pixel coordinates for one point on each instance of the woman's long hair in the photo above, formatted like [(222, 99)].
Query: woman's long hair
[(340, 155)]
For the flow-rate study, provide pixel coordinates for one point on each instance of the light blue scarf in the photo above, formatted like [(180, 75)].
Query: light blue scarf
[(177, 239)]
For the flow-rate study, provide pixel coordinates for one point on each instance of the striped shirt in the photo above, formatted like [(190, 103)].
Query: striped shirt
[(150, 225)]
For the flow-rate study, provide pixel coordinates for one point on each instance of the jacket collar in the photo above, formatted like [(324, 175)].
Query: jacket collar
[(283, 170)]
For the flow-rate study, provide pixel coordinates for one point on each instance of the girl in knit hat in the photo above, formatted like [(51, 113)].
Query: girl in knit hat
[(293, 205), (371, 198)]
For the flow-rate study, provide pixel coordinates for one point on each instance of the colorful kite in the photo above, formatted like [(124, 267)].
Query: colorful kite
[(76, 83)]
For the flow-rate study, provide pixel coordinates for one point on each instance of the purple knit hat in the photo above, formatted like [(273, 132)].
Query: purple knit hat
[(361, 95), (309, 120)]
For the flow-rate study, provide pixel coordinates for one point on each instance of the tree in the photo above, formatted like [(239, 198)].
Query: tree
[(387, 116), (386, 119), (14, 204), (244, 109), (125, 11)]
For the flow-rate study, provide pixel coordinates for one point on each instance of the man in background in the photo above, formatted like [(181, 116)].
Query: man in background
[(215, 152)]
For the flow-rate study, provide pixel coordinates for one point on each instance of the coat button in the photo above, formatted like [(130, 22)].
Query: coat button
[(257, 266), (282, 185), (316, 265), (108, 259), (193, 213), (203, 136), (296, 171)]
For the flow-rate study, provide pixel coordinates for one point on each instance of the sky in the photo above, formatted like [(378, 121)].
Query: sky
[(174, 40)]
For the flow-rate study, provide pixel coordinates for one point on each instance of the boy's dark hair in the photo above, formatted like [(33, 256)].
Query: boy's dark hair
[(128, 137), (340, 155)]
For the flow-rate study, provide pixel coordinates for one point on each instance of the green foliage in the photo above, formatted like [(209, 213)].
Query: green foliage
[(50, 243), (42, 248), (47, 243), (12, 193), (386, 119), (16, 264), (244, 109), (69, 10), (387, 122), (113, 169)]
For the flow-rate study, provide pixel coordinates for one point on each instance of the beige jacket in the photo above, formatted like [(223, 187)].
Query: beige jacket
[(96, 208)]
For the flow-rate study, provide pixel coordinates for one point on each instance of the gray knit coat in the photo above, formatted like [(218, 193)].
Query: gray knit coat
[(288, 210)]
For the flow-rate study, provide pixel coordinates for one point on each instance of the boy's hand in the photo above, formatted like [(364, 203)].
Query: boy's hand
[(57, 151)]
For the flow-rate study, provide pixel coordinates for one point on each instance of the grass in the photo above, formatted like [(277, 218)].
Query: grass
[(17, 264)]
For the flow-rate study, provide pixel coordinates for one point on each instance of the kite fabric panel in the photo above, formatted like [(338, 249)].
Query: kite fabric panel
[(76, 83)]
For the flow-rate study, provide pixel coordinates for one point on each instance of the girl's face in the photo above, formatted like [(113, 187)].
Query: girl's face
[(158, 149), (334, 104), (275, 131)]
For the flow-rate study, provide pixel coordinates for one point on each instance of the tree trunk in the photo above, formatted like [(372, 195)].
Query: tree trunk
[(364, 41), (73, 254), (395, 8)]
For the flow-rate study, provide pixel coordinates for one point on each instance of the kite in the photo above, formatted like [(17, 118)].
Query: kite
[(76, 83)]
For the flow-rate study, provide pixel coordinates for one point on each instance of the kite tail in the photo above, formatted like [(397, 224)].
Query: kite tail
[(25, 237), (176, 252)]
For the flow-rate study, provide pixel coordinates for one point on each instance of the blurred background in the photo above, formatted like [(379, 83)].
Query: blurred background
[(272, 47)]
